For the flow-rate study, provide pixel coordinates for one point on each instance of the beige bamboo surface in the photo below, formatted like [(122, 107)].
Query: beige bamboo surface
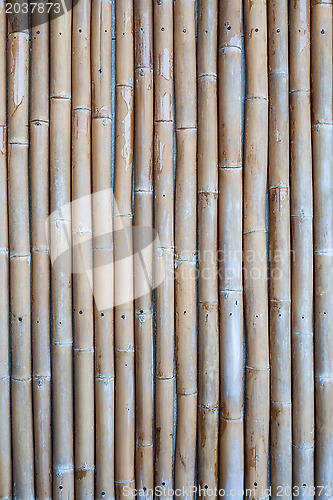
[(231, 443), (60, 237), (302, 247), (208, 345), (254, 247), (101, 47), (279, 251), (322, 144), (5, 423), (164, 252)]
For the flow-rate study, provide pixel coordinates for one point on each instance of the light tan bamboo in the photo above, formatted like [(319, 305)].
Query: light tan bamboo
[(231, 444), (39, 158), (322, 144), (279, 254), (101, 47), (208, 348), (164, 252), (5, 427), (143, 222), (123, 239), (84, 449), (255, 252), (185, 244), (302, 257), (20, 257)]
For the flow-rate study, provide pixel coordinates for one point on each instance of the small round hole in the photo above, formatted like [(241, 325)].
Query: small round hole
[(322, 31), (163, 483), (102, 315), (184, 30), (80, 312), (60, 487), (123, 316), (230, 314), (256, 484), (38, 321), (144, 488), (278, 30), (256, 30), (162, 29), (38, 32), (229, 28), (105, 31), (184, 312), (80, 30), (206, 486), (20, 319)]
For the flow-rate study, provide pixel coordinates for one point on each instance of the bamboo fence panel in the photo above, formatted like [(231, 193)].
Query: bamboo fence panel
[(5, 423), (231, 443), (101, 48), (164, 253), (302, 246), (255, 252), (322, 144), (208, 345), (279, 251)]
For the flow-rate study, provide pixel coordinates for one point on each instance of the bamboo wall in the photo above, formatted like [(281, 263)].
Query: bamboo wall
[(166, 246)]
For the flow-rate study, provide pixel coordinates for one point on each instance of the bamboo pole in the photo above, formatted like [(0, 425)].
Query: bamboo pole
[(39, 154), (185, 244), (255, 252), (124, 285), (84, 448), (20, 257), (101, 47), (143, 221), (164, 253), (301, 234), (5, 427), (322, 143), (279, 255), (60, 232), (208, 355), (231, 444)]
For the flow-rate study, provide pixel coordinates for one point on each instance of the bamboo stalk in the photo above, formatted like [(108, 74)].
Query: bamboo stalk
[(279, 239), (5, 426), (60, 232), (185, 243), (255, 251), (164, 253), (301, 234), (124, 284), (231, 445), (101, 47), (39, 154), (143, 221), (322, 143), (208, 356), (84, 449), (20, 257)]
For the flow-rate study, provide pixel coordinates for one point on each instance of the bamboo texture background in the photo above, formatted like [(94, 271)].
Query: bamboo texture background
[(166, 246)]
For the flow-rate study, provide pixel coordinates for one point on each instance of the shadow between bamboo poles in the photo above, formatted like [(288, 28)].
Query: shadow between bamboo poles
[(101, 46), (302, 246), (84, 445), (231, 445), (39, 157), (185, 244), (279, 254), (143, 220), (208, 348), (322, 144), (5, 426), (255, 251), (61, 234), (164, 254), (20, 257), (124, 284)]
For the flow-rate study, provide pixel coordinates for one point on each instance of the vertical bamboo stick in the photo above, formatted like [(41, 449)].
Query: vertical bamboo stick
[(101, 46), (164, 254), (39, 151), (322, 143), (255, 252), (208, 369), (5, 430), (301, 234), (60, 231), (20, 257), (84, 449), (279, 255), (124, 285), (231, 454), (143, 220), (185, 243)]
